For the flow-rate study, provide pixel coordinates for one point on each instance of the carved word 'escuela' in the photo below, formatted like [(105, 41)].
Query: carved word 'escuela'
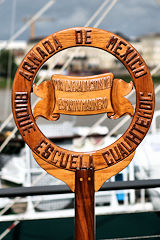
[(113, 154)]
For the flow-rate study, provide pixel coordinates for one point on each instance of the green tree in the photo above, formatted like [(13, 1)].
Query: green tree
[(4, 60)]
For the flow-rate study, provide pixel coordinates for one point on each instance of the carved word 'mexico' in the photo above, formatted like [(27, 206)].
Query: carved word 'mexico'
[(128, 55)]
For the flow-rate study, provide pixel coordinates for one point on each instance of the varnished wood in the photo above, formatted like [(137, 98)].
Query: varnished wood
[(83, 172), (120, 104), (69, 176), (84, 205), (110, 159), (83, 96)]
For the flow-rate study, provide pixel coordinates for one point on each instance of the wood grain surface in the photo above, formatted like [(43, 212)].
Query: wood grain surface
[(82, 96), (111, 159), (84, 205)]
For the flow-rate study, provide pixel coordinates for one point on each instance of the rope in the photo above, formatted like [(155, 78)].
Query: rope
[(132, 238)]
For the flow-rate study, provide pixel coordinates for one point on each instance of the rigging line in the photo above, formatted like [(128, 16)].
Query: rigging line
[(10, 204), (126, 118), (8, 82), (108, 9), (27, 24), (15, 223), (87, 24), (133, 238), (54, 63), (10, 117), (4, 124), (17, 34), (18, 222), (97, 123), (6, 142), (2, 1), (96, 13), (155, 70), (105, 13)]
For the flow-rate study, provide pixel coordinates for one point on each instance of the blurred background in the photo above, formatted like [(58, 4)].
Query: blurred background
[(22, 25)]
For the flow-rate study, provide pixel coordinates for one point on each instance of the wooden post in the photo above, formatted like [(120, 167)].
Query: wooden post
[(84, 205)]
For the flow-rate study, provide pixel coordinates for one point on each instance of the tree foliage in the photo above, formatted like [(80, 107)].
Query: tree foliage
[(4, 61)]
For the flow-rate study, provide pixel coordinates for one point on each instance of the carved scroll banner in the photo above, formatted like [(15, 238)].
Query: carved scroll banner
[(83, 96)]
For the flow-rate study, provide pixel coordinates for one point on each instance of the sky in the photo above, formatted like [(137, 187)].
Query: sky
[(131, 17)]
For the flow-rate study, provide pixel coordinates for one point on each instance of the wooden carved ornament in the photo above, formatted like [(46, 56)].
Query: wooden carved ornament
[(83, 96)]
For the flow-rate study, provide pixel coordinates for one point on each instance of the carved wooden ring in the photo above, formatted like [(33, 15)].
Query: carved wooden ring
[(110, 159)]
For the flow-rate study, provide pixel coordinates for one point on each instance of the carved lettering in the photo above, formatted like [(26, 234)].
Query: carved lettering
[(57, 43), (34, 58), (26, 75), (115, 153), (29, 67), (125, 55), (108, 158), (131, 57), (122, 150), (48, 46), (133, 137), (78, 37), (47, 152), (119, 47), (22, 113), (64, 160), (88, 37), (128, 145), (71, 105), (73, 164), (112, 42), (41, 52), (83, 37), (40, 146), (136, 64), (83, 85), (55, 156)]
